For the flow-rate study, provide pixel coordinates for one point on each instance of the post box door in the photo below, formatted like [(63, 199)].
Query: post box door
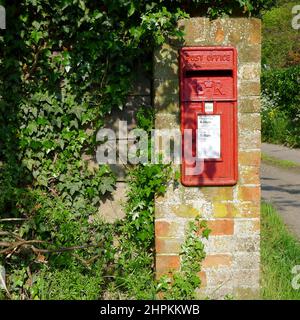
[(208, 116)]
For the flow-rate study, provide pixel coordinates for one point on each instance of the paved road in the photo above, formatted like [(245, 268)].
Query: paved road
[(282, 187)]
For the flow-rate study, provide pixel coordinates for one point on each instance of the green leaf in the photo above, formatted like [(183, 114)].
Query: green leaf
[(131, 10)]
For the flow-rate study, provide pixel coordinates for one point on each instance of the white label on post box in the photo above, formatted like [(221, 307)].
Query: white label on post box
[(209, 107), (209, 137)]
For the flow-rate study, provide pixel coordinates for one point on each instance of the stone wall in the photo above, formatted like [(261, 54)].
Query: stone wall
[(233, 213), (112, 208)]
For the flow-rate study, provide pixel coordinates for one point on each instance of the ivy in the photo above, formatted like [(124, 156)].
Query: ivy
[(183, 284), (64, 66)]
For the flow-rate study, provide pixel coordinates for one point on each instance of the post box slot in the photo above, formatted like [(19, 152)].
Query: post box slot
[(208, 73)]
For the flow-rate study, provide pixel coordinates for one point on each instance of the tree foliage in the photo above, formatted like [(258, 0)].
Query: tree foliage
[(281, 106), (280, 46)]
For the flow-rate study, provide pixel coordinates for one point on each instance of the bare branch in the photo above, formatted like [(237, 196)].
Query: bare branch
[(12, 219)]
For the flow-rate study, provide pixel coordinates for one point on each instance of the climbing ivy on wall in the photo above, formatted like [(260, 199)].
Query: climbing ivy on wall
[(64, 66)]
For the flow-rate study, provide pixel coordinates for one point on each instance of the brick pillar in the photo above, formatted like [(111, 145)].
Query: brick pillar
[(233, 260)]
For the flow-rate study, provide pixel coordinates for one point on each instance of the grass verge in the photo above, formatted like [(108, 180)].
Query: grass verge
[(280, 252), (285, 164)]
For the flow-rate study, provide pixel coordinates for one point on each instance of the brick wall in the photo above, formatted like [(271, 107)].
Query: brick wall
[(232, 262)]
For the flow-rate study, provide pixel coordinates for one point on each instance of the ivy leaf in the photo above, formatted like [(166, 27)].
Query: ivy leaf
[(74, 123), (205, 233), (36, 36), (58, 123), (42, 180), (106, 185), (131, 9)]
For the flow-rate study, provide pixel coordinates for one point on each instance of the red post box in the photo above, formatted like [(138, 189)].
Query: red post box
[(208, 93)]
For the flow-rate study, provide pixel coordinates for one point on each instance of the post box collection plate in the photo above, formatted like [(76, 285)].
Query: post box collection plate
[(209, 137), (208, 95)]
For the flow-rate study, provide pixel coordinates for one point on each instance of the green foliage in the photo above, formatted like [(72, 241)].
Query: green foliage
[(280, 252), (65, 284), (135, 254), (218, 8), (146, 182), (64, 66), (280, 46), (183, 283), (281, 106)]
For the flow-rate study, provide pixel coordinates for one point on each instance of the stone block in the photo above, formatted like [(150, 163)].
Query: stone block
[(217, 260), (111, 209), (248, 105), (250, 158), (221, 227), (165, 263), (248, 88), (168, 245), (251, 121), (246, 227)]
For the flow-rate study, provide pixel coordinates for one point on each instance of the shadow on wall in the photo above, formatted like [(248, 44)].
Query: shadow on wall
[(166, 95)]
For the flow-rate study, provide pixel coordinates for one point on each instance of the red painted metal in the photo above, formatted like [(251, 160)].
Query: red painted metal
[(209, 74)]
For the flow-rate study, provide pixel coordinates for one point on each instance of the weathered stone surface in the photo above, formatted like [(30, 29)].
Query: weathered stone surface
[(246, 227), (163, 87), (221, 227), (196, 31), (242, 293), (217, 260), (112, 209), (249, 175), (250, 121), (248, 88), (248, 105), (246, 278), (185, 211), (232, 212), (166, 63), (167, 121), (249, 193), (217, 193), (246, 260), (168, 245), (249, 53), (215, 293), (219, 244), (249, 140), (225, 210), (250, 158), (164, 228), (247, 244), (255, 31), (249, 209), (203, 279), (218, 277), (249, 72), (169, 103), (165, 263)]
